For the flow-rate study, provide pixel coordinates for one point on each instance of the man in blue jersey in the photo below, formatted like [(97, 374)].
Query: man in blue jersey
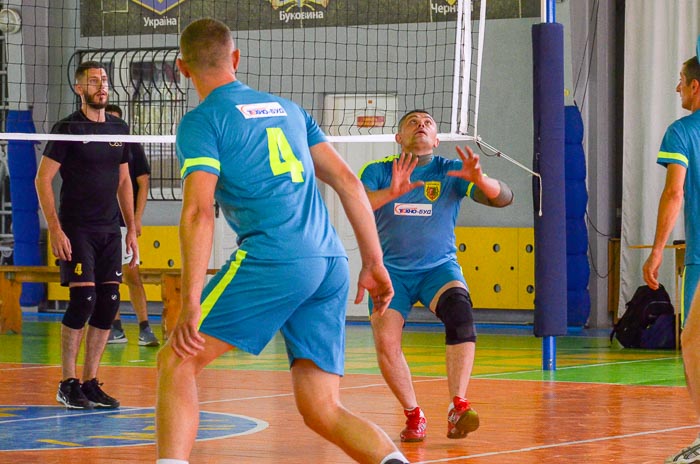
[(680, 154), (259, 156), (416, 198)]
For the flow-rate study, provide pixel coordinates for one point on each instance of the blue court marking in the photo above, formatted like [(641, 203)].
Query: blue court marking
[(30, 428)]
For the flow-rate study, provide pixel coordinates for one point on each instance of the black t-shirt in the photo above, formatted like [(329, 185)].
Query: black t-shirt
[(90, 172), (138, 166)]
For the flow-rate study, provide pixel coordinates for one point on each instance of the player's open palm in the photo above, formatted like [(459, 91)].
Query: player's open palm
[(401, 171), (471, 167)]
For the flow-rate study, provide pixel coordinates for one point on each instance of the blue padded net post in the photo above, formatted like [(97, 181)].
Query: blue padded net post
[(548, 161), (21, 160)]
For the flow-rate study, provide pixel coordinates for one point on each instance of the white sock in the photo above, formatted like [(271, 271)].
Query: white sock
[(395, 455), (171, 461)]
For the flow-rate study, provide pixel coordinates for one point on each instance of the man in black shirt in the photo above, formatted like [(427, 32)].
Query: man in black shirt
[(85, 233), (139, 173)]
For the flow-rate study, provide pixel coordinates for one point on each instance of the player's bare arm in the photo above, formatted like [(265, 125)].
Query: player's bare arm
[(196, 238), (331, 169), (60, 245)]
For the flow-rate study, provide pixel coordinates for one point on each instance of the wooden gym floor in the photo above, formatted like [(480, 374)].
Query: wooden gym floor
[(603, 404)]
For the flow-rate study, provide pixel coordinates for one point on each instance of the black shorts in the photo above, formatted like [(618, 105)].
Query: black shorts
[(96, 257)]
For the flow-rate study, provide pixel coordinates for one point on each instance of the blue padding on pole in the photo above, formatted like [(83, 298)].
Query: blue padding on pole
[(21, 160), (575, 164), (574, 126), (577, 266), (550, 228), (576, 200)]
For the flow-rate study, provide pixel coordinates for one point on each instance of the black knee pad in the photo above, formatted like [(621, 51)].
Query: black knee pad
[(80, 306), (454, 309), (106, 307)]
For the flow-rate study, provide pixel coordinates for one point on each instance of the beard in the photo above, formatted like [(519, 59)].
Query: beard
[(93, 102)]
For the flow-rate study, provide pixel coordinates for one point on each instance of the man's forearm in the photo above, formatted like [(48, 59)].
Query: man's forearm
[(669, 208), (196, 238)]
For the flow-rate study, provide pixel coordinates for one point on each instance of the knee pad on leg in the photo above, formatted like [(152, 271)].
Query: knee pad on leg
[(106, 306), (80, 306), (454, 309)]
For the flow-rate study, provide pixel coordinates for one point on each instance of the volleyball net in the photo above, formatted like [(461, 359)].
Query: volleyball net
[(356, 67)]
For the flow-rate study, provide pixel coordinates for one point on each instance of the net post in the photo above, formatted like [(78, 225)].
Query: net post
[(549, 353), (479, 58), (549, 348), (459, 51)]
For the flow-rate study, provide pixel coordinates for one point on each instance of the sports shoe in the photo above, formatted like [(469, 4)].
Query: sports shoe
[(100, 399), (415, 425), (688, 455), (147, 337), (116, 336), (71, 395), (395, 461), (461, 418)]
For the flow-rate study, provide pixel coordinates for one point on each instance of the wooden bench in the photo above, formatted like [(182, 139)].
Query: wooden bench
[(12, 277)]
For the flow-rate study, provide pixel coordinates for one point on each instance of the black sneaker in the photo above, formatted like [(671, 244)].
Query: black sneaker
[(71, 395), (100, 399)]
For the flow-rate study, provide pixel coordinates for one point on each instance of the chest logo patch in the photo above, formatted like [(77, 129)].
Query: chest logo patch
[(261, 110), (413, 209), (432, 189)]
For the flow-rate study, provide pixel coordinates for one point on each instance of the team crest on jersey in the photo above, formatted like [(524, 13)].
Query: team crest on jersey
[(431, 189), (261, 110)]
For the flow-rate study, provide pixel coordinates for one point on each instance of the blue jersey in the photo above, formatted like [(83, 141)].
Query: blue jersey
[(417, 230), (258, 146), (681, 145)]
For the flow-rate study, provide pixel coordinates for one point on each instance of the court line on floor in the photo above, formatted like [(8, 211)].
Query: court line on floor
[(581, 366), (37, 366), (560, 445)]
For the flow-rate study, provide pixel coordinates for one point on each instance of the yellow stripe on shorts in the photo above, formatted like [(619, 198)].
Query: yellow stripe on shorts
[(213, 297)]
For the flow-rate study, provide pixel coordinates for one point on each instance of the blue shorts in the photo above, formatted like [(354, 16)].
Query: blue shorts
[(691, 277), (249, 300), (414, 286)]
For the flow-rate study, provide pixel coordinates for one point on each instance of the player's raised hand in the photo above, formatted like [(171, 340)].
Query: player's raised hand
[(401, 171), (471, 167)]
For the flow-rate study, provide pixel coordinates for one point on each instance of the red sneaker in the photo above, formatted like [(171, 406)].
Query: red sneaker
[(461, 419), (415, 425)]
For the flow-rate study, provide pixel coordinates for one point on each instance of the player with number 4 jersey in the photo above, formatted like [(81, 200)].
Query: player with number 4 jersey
[(264, 166), (258, 156)]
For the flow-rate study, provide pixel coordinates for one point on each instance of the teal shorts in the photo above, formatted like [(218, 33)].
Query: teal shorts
[(411, 287), (249, 300)]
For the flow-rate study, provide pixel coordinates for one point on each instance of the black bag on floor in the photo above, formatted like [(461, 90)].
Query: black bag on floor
[(648, 322)]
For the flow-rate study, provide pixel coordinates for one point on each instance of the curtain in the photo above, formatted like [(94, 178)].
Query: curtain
[(659, 37)]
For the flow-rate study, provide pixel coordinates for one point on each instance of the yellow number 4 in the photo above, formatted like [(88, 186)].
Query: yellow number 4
[(282, 159)]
